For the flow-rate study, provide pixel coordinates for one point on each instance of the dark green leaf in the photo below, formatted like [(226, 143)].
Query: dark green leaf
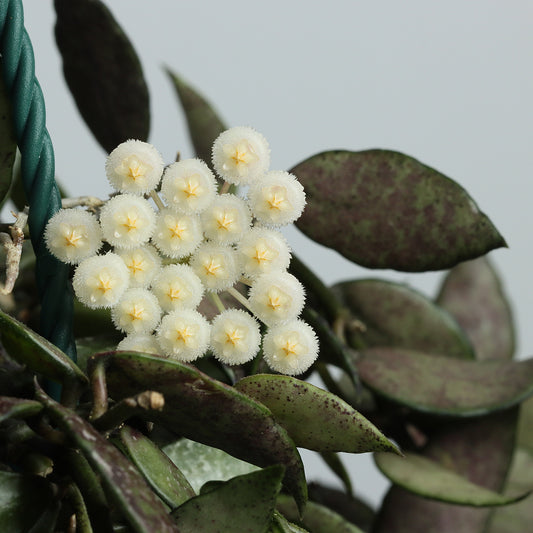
[(208, 411), (334, 461), (8, 144), (315, 418), (525, 425), (17, 408), (25, 502), (383, 209), (40, 355), (161, 473), (445, 386), (203, 121), (242, 504), (316, 518), (473, 294), (281, 525), (395, 315), (102, 72), (125, 486)]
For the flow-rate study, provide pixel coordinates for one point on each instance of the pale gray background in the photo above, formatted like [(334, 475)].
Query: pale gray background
[(447, 82)]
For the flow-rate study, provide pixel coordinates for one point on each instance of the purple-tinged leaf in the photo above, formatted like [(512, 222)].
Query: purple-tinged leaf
[(472, 293), (18, 408), (396, 315), (384, 209), (445, 386)]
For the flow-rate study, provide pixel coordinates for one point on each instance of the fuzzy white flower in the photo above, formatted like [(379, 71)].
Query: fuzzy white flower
[(127, 221), (290, 348), (176, 234), (226, 220), (139, 343), (100, 281), (235, 337), (134, 167), (241, 155), (263, 250), (216, 266), (137, 311), (276, 297), (184, 335), (178, 287), (143, 263), (188, 186), (72, 235), (277, 199)]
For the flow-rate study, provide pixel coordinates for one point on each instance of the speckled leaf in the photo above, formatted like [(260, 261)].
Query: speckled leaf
[(8, 144), (427, 478), (208, 411), (102, 72), (128, 490), (241, 505), (441, 385), (516, 518), (383, 209), (396, 315), (24, 502), (473, 294), (161, 473), (40, 355), (203, 121), (480, 450), (315, 418), (316, 517), (17, 408)]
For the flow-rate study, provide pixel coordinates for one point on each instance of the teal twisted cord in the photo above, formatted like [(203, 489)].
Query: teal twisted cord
[(37, 170)]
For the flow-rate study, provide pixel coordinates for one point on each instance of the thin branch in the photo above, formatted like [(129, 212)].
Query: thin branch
[(13, 246)]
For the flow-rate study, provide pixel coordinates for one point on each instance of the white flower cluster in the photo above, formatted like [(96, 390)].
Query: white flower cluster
[(173, 237)]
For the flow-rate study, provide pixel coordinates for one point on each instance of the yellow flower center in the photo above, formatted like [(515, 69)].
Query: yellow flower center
[(130, 223), (290, 348), (173, 293), (233, 337), (177, 230), (224, 221), (261, 255), (191, 188), (212, 266), (72, 237), (184, 334), (104, 284), (135, 266), (136, 313), (277, 198)]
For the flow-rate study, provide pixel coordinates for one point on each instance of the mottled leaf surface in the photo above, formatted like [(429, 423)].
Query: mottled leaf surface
[(384, 209), (440, 385), (203, 121), (161, 473), (128, 490), (17, 408), (241, 505), (8, 144), (103, 72), (472, 292), (315, 418), (208, 411), (396, 315)]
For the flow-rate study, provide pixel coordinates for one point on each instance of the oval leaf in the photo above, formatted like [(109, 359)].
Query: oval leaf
[(445, 386), (161, 473), (203, 121), (473, 294), (396, 315), (208, 411), (130, 493), (102, 72), (314, 418), (383, 209), (242, 504), (8, 145)]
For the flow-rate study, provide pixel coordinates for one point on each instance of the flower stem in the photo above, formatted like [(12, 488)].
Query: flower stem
[(240, 298), (157, 200), (215, 298)]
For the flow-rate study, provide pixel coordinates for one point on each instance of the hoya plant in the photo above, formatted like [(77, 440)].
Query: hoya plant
[(160, 347)]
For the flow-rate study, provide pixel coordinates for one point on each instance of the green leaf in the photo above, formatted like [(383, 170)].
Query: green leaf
[(26, 502), (336, 465), (383, 209), (103, 72), (161, 473), (203, 121), (17, 408), (525, 425), (200, 463), (208, 411), (427, 478), (281, 525), (8, 144), (315, 518), (472, 292), (40, 355), (242, 504), (315, 418), (395, 315), (445, 386), (125, 486)]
